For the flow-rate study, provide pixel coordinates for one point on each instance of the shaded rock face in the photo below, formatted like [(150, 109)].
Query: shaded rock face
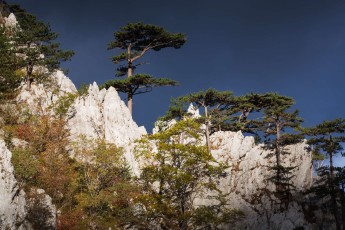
[(17, 210), (12, 199), (248, 187), (101, 114), (41, 211)]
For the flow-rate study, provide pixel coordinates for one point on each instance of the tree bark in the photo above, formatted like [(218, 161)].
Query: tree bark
[(28, 79), (278, 173), (129, 74), (208, 143)]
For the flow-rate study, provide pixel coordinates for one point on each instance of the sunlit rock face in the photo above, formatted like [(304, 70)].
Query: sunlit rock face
[(11, 21), (39, 99), (248, 185), (101, 114)]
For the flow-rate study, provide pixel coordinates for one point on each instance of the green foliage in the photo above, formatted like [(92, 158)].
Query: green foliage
[(34, 40), (140, 37), (176, 173), (224, 111), (215, 104), (26, 167), (327, 139), (105, 187), (9, 80), (134, 40), (137, 84), (83, 89), (63, 104), (274, 126)]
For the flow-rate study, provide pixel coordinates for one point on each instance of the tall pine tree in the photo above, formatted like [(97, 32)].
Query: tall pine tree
[(275, 126), (9, 63), (327, 139), (34, 41), (214, 104), (135, 40)]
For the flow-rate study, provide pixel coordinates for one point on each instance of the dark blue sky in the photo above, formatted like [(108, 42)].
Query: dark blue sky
[(294, 47)]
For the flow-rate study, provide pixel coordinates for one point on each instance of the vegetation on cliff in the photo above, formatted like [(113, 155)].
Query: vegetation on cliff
[(90, 181)]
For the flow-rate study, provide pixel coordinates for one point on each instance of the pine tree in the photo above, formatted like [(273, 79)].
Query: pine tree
[(138, 84), (135, 40), (239, 113), (9, 63), (34, 41), (214, 104), (274, 127), (327, 139)]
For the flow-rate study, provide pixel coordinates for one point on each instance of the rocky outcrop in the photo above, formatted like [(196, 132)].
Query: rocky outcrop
[(11, 21), (12, 199), (41, 211), (101, 114), (17, 210), (40, 98), (249, 188)]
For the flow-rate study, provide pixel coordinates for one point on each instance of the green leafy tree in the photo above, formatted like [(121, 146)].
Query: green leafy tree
[(327, 139), (34, 42), (214, 104), (275, 126), (138, 84), (105, 189), (176, 172), (135, 40)]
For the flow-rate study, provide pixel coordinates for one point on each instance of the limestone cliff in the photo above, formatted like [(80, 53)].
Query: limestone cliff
[(17, 209), (12, 199), (40, 98), (248, 187), (101, 114)]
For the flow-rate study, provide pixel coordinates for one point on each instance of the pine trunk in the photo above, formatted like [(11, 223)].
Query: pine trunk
[(129, 74), (208, 143), (28, 77), (279, 187)]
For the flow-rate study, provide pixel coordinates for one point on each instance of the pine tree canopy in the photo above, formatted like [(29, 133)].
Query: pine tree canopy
[(327, 136), (135, 39), (140, 37), (9, 80), (34, 40), (139, 83), (211, 98)]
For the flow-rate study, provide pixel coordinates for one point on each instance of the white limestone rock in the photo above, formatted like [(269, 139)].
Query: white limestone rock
[(17, 211), (163, 125), (40, 98), (41, 210), (11, 21), (101, 114), (64, 84), (247, 181), (193, 111), (12, 199)]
